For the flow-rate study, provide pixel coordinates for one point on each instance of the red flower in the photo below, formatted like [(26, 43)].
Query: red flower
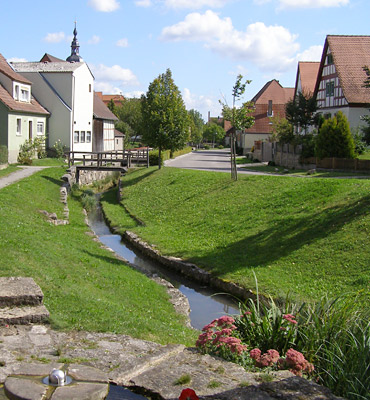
[(188, 394)]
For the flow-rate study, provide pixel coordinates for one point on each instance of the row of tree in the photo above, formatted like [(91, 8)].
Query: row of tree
[(160, 120)]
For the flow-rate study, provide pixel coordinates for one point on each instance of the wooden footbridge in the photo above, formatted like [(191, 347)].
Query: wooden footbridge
[(109, 160)]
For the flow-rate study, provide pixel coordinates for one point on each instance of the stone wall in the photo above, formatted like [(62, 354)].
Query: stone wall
[(84, 177)]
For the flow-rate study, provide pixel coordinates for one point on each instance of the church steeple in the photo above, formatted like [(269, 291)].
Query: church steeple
[(75, 48)]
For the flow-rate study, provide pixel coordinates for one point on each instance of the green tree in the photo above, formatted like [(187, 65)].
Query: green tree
[(301, 112), (112, 106), (214, 133), (282, 130), (165, 119), (240, 118), (196, 126), (335, 139), (130, 113)]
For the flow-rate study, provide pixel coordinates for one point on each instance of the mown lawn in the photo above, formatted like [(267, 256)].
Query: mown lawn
[(306, 237), (85, 286), (8, 170)]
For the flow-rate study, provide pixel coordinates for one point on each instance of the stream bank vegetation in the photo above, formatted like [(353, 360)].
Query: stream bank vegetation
[(300, 238), (85, 286)]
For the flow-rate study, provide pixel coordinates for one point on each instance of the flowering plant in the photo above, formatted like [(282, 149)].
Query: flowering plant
[(220, 338), (188, 394), (294, 361)]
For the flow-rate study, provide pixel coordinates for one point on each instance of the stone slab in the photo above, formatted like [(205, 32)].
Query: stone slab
[(24, 315), (81, 391), (15, 291), (83, 373), (24, 389)]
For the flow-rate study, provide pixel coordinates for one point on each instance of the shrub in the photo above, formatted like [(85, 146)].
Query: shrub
[(335, 139), (26, 153), (3, 154), (59, 149), (154, 158)]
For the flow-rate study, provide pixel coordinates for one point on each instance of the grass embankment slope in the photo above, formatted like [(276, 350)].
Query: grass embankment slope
[(85, 286), (306, 237)]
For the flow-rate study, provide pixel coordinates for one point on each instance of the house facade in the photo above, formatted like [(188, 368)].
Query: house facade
[(103, 126), (340, 83), (66, 88), (21, 116), (269, 102)]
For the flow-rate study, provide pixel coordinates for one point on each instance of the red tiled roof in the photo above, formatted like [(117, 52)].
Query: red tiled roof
[(307, 71), (101, 111), (13, 105), (350, 54), (7, 70), (49, 58), (275, 92)]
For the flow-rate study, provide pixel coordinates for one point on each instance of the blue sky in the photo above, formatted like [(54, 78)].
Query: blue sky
[(205, 43)]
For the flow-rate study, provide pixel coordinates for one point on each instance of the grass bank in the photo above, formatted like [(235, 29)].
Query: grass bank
[(301, 236), (85, 286), (8, 170)]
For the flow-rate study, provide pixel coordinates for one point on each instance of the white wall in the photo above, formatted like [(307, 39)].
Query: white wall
[(83, 105), (248, 139), (108, 135)]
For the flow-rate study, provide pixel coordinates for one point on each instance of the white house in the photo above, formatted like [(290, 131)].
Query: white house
[(21, 116), (340, 82), (66, 89)]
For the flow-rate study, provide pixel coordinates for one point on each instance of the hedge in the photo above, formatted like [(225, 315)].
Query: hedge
[(166, 155), (3, 154)]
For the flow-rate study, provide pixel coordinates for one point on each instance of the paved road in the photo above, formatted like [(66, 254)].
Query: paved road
[(18, 175), (207, 160)]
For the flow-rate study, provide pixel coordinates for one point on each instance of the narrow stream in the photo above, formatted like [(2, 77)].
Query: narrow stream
[(205, 304)]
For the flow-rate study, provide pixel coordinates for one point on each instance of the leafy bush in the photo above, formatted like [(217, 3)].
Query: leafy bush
[(335, 139), (26, 153), (360, 145), (3, 154), (154, 157), (59, 149)]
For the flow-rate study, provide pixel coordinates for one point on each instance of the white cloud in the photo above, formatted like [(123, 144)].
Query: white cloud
[(201, 103), (106, 87), (143, 3), (136, 94), (270, 47), (55, 37), (312, 3), (117, 74), (313, 53), (104, 5), (16, 59), (191, 4), (94, 40), (122, 42)]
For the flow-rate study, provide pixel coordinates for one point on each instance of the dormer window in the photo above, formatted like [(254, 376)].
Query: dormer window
[(25, 95)]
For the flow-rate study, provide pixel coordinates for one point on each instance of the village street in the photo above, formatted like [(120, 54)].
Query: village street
[(208, 160)]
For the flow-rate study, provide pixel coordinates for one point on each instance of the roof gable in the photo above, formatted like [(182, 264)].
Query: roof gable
[(272, 90), (350, 55), (307, 73)]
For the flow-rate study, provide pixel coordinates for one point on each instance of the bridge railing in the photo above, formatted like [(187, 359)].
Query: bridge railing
[(104, 158)]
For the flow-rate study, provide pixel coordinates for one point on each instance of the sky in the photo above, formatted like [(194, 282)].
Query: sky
[(205, 43)]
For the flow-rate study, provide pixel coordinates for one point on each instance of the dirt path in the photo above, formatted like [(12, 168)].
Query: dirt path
[(18, 175)]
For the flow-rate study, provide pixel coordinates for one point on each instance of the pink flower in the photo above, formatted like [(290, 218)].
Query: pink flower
[(255, 354), (247, 313), (188, 394), (225, 320), (274, 355), (290, 318)]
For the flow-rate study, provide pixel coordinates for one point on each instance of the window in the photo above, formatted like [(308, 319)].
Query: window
[(76, 137), (19, 126), (25, 95), (89, 87), (82, 137), (40, 128), (16, 92), (330, 89), (88, 137), (329, 59), (270, 113)]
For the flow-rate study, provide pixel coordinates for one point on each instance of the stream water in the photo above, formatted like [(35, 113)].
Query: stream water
[(205, 303)]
